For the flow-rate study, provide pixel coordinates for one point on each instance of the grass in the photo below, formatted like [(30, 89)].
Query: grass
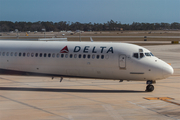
[(100, 35)]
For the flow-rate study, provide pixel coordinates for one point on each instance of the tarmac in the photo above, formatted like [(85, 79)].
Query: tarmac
[(41, 98)]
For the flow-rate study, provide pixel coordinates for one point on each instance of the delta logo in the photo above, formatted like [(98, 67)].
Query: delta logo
[(87, 49), (64, 50)]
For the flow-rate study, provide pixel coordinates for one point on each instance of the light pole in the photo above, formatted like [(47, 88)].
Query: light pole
[(17, 35), (44, 32), (80, 36)]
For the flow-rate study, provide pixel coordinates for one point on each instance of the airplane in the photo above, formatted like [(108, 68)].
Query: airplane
[(98, 60)]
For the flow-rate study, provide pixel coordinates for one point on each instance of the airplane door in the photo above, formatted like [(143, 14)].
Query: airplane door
[(122, 61)]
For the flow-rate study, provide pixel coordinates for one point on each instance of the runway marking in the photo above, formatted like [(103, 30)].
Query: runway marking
[(157, 107), (113, 113), (32, 106), (166, 99)]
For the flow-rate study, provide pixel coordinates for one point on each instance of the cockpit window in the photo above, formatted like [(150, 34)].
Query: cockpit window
[(141, 55), (140, 50), (147, 54), (136, 55), (151, 54)]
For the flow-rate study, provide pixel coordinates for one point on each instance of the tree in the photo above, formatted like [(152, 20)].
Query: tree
[(111, 25)]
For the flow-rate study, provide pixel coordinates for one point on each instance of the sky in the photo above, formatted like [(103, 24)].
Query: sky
[(94, 11)]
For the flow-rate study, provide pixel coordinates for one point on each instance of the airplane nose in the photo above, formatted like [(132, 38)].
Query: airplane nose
[(167, 71)]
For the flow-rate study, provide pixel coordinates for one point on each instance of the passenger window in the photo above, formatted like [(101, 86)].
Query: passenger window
[(32, 54), (49, 55), (15, 54), (66, 55), (36, 54), (107, 56), (19, 54), (57, 55), (40, 55), (0, 53), (102, 56), (136, 55), (7, 54), (79, 55), (84, 56), (11, 53), (24, 54), (141, 55), (97, 56), (3, 53), (93, 56), (45, 54), (75, 55), (53, 55), (28, 54), (71, 55), (89, 56), (62, 55)]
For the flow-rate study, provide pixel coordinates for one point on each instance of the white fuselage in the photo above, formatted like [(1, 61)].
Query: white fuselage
[(101, 60)]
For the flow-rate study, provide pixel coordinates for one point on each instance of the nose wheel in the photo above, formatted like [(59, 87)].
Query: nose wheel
[(150, 87)]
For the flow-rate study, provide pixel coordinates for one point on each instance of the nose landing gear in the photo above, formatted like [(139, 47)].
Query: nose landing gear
[(150, 87)]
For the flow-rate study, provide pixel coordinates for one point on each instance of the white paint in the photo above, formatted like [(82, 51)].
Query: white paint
[(106, 68)]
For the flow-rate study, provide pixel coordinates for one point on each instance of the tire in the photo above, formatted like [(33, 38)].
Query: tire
[(149, 88)]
